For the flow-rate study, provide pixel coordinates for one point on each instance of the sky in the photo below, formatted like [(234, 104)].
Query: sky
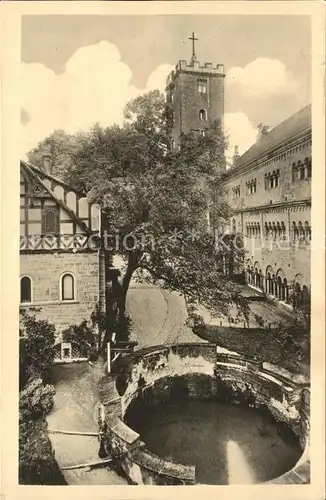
[(79, 70)]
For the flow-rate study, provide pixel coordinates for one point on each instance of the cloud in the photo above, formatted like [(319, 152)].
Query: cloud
[(24, 116), (262, 77), (158, 78), (240, 132), (94, 87)]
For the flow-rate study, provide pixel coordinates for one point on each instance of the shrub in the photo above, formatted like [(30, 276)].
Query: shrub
[(82, 334), (35, 400), (36, 352), (36, 456), (37, 464)]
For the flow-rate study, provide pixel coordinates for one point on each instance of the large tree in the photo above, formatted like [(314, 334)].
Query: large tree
[(156, 200)]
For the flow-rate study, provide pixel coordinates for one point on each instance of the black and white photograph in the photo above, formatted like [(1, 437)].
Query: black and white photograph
[(166, 294)]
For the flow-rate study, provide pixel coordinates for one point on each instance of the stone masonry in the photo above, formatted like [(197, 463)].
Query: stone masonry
[(45, 270)]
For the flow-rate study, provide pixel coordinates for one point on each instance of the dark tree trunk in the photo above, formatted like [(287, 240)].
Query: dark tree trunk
[(133, 262)]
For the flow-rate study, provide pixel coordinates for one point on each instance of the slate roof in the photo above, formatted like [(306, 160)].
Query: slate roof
[(285, 131)]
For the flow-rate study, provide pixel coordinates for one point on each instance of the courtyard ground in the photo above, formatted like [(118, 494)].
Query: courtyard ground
[(158, 318), (75, 409)]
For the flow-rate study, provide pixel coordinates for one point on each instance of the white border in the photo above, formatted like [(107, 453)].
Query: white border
[(10, 58)]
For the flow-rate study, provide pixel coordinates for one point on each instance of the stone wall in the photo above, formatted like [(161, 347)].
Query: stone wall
[(287, 205), (45, 270), (287, 190), (204, 373), (187, 101)]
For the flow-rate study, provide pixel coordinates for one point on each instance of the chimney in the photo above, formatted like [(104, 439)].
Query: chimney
[(262, 130), (236, 155), (46, 155)]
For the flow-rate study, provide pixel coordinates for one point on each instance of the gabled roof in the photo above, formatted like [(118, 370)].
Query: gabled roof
[(289, 129), (34, 173), (43, 175)]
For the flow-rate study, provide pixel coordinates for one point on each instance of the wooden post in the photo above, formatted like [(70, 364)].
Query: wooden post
[(108, 354)]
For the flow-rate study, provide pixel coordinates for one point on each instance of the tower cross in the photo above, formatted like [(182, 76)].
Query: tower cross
[(193, 39)]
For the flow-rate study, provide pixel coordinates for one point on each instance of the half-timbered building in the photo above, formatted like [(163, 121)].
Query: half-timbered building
[(62, 265)]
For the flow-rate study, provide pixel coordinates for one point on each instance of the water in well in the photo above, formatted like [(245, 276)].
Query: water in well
[(228, 444)]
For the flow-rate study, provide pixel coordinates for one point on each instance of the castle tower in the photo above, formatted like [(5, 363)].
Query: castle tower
[(195, 95)]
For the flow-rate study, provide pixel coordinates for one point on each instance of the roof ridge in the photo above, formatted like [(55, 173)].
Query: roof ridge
[(271, 140)]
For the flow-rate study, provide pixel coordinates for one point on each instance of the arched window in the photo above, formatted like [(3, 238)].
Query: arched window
[(50, 220), (261, 280), (300, 170), (283, 230), (297, 296), (307, 168), (67, 287), (272, 178), (25, 289), (307, 230), (279, 289), (294, 172), (278, 229), (203, 115), (295, 231), (173, 144), (301, 231), (286, 290)]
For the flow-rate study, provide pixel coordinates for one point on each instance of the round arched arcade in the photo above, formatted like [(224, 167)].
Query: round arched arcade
[(275, 283)]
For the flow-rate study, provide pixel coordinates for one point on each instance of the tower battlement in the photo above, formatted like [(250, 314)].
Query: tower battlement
[(195, 95), (195, 67)]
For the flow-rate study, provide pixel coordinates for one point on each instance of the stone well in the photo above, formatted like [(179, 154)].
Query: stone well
[(207, 374)]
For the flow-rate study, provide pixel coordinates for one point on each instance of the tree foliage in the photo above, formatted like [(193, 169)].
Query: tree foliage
[(61, 147), (156, 201)]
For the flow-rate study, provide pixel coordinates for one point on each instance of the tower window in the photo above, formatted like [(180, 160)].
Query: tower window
[(202, 85), (25, 289), (67, 287), (203, 115)]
